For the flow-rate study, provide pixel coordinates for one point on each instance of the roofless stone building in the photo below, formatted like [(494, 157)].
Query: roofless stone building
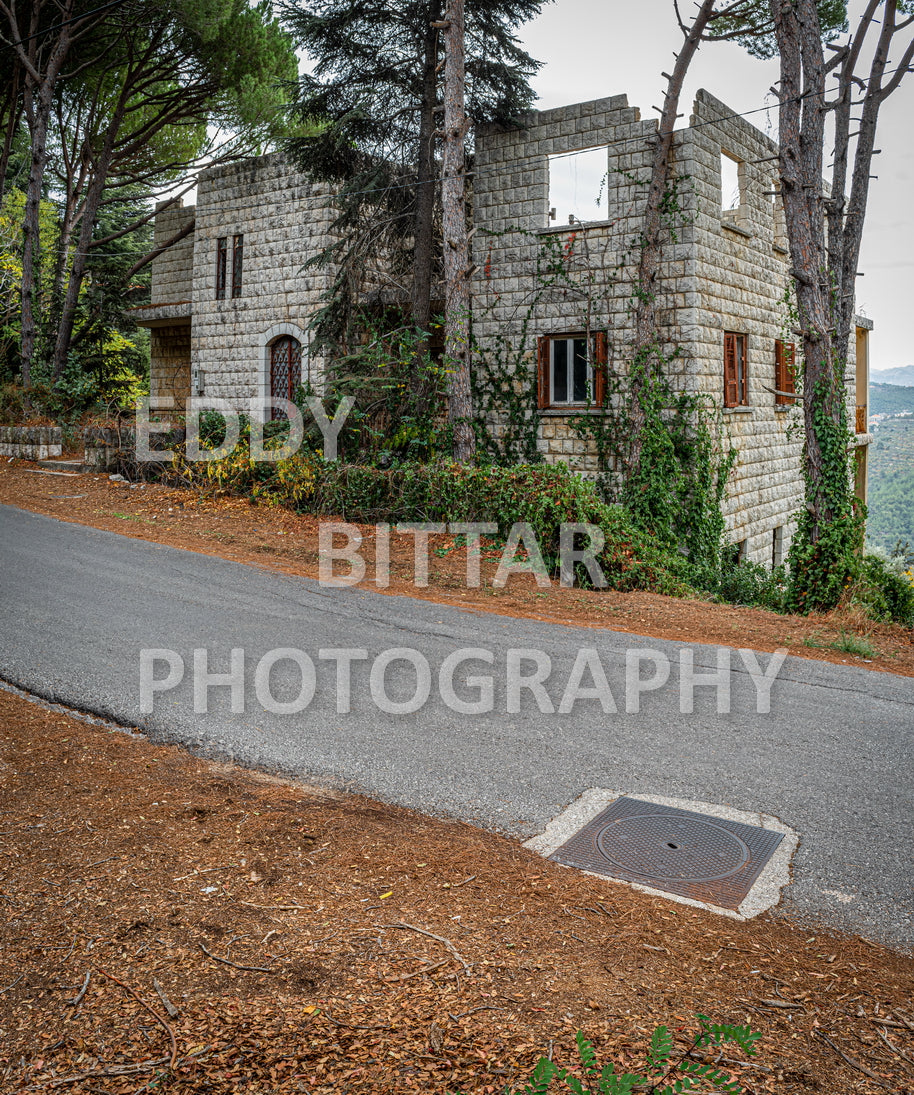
[(233, 299)]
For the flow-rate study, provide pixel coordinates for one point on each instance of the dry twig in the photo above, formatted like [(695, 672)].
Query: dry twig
[(440, 938), (158, 1018), (234, 965), (77, 999), (851, 1060), (417, 973)]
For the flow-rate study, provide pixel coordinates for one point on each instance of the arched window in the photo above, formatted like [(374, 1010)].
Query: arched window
[(285, 369)]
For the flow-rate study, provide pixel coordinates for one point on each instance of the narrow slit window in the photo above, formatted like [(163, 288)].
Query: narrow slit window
[(577, 186), (237, 264), (785, 384), (221, 266)]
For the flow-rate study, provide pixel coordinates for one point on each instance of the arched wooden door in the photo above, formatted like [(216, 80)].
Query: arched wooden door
[(285, 369)]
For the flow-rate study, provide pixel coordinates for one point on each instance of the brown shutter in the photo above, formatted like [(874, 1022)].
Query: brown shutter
[(784, 371), (542, 374), (779, 384), (790, 369), (731, 379), (600, 359)]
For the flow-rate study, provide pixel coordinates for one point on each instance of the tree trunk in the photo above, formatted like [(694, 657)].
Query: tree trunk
[(38, 97), (38, 110), (646, 334), (456, 240), (13, 115), (88, 215), (424, 226)]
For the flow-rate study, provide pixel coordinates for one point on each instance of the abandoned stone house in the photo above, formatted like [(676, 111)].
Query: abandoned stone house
[(232, 299)]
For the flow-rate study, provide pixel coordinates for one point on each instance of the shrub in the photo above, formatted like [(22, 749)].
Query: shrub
[(544, 496), (749, 583), (884, 590), (667, 1069)]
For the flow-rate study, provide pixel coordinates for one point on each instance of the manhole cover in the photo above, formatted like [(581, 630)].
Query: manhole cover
[(680, 852)]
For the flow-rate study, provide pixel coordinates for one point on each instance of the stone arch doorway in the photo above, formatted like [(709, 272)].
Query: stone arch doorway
[(285, 369)]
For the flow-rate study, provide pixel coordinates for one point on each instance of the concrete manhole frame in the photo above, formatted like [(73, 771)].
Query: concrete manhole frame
[(765, 892)]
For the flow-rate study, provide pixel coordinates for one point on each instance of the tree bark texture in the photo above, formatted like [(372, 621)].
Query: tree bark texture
[(424, 224), (456, 239)]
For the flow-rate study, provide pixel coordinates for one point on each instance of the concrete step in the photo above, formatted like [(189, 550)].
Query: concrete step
[(61, 464)]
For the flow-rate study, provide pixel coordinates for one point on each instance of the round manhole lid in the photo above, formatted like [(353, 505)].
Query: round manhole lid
[(666, 848)]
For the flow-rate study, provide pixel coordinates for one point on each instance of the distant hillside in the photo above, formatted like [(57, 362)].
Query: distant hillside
[(891, 483), (891, 399), (903, 374), (890, 513)]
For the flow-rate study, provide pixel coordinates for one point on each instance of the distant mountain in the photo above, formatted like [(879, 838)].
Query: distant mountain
[(903, 374), (891, 399)]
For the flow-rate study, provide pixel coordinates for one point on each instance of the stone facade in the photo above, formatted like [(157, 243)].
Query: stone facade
[(727, 271), (204, 345)]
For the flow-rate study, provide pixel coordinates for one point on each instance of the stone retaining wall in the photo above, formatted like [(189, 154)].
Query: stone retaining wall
[(31, 442)]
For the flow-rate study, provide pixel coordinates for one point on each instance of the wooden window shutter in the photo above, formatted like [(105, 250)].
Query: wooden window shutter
[(600, 360), (731, 379), (784, 371), (790, 368), (542, 372)]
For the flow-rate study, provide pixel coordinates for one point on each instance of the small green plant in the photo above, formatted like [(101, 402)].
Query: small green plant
[(668, 1071), (859, 645), (813, 641)]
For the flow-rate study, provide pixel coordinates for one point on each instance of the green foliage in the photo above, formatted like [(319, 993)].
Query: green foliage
[(398, 386), (668, 1070), (824, 556), (751, 584), (752, 27), (885, 587), (859, 645), (544, 496)]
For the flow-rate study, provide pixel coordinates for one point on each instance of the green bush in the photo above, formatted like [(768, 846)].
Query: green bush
[(544, 496), (752, 584), (885, 591)]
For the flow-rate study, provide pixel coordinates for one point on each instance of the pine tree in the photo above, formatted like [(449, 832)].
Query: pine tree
[(375, 92)]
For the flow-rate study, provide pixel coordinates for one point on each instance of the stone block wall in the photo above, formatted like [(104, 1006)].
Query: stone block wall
[(31, 442), (740, 269), (284, 220), (172, 272), (511, 304), (727, 271), (170, 352)]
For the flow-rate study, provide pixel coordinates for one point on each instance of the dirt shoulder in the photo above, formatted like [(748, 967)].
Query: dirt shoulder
[(279, 540), (282, 923)]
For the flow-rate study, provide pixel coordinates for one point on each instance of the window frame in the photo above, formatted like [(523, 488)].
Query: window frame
[(736, 382), (221, 267), (237, 264), (785, 373), (596, 377)]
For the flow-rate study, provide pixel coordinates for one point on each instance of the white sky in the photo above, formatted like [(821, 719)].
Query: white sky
[(593, 48)]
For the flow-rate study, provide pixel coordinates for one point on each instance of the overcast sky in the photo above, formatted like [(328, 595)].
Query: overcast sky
[(593, 48)]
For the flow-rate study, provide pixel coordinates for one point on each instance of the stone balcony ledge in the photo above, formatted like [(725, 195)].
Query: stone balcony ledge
[(162, 314)]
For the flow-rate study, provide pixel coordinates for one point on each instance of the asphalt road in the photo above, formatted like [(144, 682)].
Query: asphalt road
[(832, 759)]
